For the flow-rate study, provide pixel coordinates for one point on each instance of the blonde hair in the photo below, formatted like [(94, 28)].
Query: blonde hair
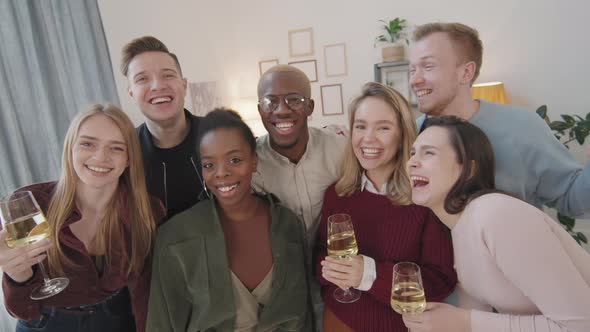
[(351, 172), (137, 203), (466, 41)]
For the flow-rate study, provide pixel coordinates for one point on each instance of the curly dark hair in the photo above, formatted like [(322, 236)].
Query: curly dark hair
[(225, 118)]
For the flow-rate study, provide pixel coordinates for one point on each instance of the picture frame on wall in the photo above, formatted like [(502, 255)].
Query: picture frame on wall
[(396, 75), (336, 63), (309, 67), (332, 102), (264, 65), (204, 97), (301, 42)]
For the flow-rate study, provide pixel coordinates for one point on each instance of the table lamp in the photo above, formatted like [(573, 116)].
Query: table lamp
[(493, 91)]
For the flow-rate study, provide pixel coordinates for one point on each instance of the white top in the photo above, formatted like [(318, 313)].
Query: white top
[(248, 304), (514, 258)]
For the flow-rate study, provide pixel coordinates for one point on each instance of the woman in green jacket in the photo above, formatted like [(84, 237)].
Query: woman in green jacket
[(235, 261)]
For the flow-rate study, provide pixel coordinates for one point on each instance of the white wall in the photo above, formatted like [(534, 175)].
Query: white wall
[(538, 48)]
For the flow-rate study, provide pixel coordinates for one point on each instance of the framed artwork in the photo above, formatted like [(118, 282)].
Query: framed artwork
[(332, 103), (301, 42), (309, 67), (204, 97), (335, 60), (397, 76), (264, 65)]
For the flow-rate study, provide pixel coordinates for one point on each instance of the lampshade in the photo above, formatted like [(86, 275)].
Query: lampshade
[(493, 91), (247, 107)]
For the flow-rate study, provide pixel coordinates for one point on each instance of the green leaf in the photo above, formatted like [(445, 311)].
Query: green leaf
[(559, 126), (582, 237), (580, 134), (542, 111), (568, 119), (395, 29), (567, 221)]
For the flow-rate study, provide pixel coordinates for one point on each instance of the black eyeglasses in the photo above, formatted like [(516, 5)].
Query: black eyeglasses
[(294, 101)]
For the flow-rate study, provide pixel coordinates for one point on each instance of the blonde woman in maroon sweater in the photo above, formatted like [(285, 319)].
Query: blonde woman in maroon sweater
[(375, 191), (102, 222)]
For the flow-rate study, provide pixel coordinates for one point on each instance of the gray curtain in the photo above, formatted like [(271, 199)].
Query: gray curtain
[(54, 62)]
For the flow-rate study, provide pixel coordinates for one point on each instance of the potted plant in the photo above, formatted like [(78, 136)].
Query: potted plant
[(572, 128), (395, 31)]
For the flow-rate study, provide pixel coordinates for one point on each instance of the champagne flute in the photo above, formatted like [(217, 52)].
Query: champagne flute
[(407, 291), (25, 224), (342, 244)]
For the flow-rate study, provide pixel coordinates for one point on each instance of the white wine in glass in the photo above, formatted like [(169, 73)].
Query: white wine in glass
[(407, 292), (342, 244), (25, 224)]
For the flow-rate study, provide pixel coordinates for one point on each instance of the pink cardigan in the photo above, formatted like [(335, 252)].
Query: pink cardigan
[(514, 258)]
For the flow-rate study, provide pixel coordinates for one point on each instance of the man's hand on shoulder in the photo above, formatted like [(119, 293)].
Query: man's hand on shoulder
[(338, 129)]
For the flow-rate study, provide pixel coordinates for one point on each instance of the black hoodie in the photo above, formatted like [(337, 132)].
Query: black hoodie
[(173, 175)]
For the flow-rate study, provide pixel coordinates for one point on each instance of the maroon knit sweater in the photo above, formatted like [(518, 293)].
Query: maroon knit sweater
[(388, 234)]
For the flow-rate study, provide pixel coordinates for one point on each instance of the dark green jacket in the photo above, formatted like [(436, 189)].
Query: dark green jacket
[(191, 287)]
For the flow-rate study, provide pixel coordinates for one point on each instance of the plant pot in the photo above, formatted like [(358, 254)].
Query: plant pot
[(393, 52)]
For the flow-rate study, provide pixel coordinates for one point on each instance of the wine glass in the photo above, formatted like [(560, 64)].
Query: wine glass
[(407, 291), (25, 224), (342, 244)]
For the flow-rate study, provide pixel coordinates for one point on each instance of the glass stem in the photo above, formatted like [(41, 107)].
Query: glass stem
[(42, 267)]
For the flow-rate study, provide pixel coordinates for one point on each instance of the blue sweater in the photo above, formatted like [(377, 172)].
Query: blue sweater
[(530, 162)]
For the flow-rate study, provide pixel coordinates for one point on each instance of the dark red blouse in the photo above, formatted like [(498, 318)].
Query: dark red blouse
[(86, 285)]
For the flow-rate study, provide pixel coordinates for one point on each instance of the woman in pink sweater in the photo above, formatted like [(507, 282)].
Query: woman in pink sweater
[(375, 191), (518, 269)]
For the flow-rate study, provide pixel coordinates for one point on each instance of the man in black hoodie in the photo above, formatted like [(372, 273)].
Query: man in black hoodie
[(168, 135)]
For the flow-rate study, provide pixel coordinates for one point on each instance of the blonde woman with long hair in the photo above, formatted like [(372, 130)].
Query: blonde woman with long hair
[(102, 225), (374, 190)]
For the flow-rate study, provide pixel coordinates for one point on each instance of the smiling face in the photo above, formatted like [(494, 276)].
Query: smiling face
[(228, 163), (433, 168), (286, 127), (376, 138), (157, 86), (99, 153), (436, 74)]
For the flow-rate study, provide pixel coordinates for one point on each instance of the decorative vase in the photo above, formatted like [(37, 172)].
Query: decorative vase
[(392, 52)]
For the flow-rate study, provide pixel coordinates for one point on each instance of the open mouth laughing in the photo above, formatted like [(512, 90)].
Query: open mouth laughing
[(423, 92), (98, 170), (419, 182), (284, 127), (371, 152), (160, 100), (226, 190)]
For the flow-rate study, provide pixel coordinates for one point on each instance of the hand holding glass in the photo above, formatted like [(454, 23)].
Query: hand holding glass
[(25, 224), (342, 244), (407, 292)]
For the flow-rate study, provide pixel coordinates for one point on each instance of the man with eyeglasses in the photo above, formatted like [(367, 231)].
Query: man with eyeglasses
[(296, 162)]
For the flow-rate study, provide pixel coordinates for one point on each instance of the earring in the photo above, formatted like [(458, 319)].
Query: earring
[(206, 191)]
